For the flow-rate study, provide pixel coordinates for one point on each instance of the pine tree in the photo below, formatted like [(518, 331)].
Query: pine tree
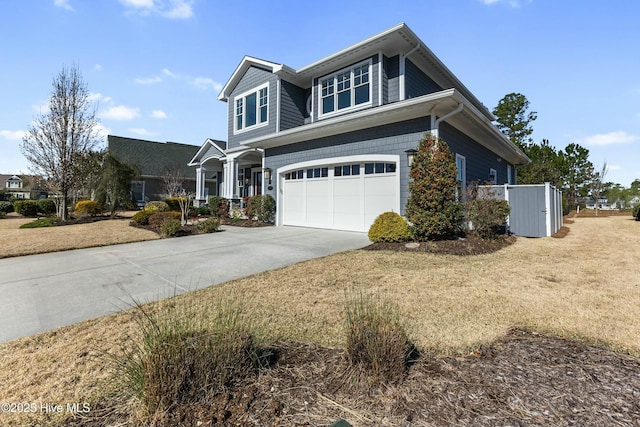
[(433, 206)]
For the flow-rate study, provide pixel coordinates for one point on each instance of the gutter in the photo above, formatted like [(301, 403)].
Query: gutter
[(435, 124)]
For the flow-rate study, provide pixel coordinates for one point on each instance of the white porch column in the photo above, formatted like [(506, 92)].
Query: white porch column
[(201, 172), (229, 177)]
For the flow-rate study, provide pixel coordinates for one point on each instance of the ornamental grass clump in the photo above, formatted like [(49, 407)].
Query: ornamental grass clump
[(209, 225), (186, 354), (376, 338)]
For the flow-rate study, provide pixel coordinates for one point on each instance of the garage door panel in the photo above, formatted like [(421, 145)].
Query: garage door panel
[(340, 202)]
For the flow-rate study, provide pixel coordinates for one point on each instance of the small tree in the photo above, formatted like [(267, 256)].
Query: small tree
[(184, 200), (597, 185), (114, 186), (433, 206), (58, 139)]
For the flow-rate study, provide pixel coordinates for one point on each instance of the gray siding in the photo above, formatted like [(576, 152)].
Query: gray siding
[(293, 105), (254, 77), (418, 83), (479, 159), (391, 139), (392, 74)]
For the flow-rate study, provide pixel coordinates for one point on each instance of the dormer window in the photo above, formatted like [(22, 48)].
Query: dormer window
[(251, 109), (347, 89)]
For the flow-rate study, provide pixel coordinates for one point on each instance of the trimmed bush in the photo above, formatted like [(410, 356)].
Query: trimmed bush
[(209, 225), (261, 208), (142, 217), (6, 207), (42, 222), (47, 206), (156, 219), (173, 203), (635, 212), (389, 227), (26, 207), (376, 338), (169, 227), (159, 206), (219, 206), (87, 208), (2, 215)]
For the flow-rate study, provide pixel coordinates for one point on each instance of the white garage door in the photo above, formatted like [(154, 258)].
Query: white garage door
[(347, 196)]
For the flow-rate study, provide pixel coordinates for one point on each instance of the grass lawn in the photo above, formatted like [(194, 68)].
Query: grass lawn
[(584, 286)]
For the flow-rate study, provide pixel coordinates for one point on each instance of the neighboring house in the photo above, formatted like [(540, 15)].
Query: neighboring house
[(603, 203), (331, 141), (21, 187), (157, 164)]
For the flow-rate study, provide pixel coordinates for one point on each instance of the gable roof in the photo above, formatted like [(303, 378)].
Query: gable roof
[(211, 149), (153, 158), (397, 40)]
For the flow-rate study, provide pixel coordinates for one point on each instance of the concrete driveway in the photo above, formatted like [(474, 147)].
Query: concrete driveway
[(43, 292)]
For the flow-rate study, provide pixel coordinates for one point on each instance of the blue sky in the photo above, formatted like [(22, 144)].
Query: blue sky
[(155, 67)]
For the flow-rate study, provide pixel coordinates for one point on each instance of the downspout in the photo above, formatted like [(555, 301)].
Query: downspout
[(436, 124), (403, 69)]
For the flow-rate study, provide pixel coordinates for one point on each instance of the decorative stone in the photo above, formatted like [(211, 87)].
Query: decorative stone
[(412, 245)]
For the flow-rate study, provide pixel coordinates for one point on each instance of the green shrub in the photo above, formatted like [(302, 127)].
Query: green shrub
[(42, 222), (169, 227), (2, 215), (87, 208), (6, 207), (47, 206), (209, 225), (219, 206), (202, 210), (485, 216), (142, 217), (186, 355), (156, 219), (389, 227), (261, 208), (433, 206), (26, 207), (376, 338), (635, 211), (173, 203), (159, 205)]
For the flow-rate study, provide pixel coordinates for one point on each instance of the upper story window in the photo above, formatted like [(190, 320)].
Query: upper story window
[(251, 109), (346, 89)]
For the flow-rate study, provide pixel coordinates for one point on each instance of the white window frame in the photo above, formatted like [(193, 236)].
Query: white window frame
[(493, 173), (241, 109), (335, 85), (509, 174), (461, 175)]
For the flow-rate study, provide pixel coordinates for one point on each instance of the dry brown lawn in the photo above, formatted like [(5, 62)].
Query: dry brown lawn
[(28, 241), (584, 286)]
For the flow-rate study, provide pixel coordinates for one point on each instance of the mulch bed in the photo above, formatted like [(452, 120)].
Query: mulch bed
[(524, 379), (470, 245)]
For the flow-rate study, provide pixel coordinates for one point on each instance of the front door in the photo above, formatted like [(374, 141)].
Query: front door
[(257, 183)]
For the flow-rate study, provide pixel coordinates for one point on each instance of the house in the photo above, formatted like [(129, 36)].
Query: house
[(21, 187), (332, 141), (158, 165)]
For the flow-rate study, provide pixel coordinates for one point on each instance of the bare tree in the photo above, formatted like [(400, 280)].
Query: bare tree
[(57, 140), (173, 178), (598, 184)]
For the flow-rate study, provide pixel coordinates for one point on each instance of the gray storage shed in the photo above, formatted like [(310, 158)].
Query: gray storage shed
[(536, 209)]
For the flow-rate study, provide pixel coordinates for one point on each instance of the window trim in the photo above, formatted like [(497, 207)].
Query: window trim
[(463, 174), (243, 109), (493, 173), (352, 89)]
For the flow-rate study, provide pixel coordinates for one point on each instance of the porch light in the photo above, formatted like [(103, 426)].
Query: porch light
[(267, 174), (411, 154)]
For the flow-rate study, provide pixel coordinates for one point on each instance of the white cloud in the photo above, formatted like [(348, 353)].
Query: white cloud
[(171, 9), (166, 72), (613, 167), (149, 80), (120, 112), (207, 83), (158, 114), (12, 135), (619, 137), (97, 67), (142, 132), (63, 4), (102, 131)]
